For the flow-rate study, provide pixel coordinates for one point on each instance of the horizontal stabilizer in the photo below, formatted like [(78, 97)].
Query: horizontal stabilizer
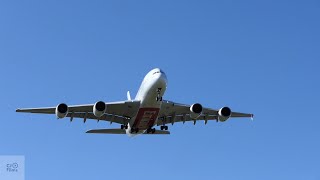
[(158, 132), (107, 131), (121, 131)]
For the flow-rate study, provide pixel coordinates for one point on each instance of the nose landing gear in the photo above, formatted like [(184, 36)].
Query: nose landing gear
[(159, 97)]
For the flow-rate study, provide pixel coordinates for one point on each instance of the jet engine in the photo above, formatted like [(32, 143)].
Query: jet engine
[(61, 111), (99, 108), (224, 114), (195, 110)]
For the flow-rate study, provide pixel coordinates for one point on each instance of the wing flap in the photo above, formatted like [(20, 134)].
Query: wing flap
[(105, 117), (183, 118)]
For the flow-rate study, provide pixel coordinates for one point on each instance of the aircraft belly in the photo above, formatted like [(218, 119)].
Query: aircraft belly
[(146, 118)]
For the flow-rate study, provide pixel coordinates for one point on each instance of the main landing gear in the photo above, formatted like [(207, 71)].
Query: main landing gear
[(134, 130), (124, 126), (159, 97), (151, 130), (164, 128)]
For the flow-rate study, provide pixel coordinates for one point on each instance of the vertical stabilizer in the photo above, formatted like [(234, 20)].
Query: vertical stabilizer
[(128, 96)]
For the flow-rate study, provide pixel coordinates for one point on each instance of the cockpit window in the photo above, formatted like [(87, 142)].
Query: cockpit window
[(160, 71)]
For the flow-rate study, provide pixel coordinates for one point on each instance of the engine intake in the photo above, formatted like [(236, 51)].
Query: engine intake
[(196, 110), (62, 111), (99, 108), (224, 114)]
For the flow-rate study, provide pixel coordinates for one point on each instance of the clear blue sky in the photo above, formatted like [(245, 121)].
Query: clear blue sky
[(254, 56)]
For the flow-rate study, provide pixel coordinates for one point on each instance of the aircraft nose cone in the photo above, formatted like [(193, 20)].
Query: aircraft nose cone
[(162, 78), (159, 76)]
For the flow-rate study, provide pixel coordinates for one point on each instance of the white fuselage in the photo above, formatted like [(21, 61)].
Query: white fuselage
[(152, 88)]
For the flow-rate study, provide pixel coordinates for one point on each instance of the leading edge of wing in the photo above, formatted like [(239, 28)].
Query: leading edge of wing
[(44, 110), (239, 115)]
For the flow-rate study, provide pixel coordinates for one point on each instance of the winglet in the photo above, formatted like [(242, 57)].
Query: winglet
[(128, 96)]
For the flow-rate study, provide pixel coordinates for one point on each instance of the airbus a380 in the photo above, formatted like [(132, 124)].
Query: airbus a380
[(142, 114)]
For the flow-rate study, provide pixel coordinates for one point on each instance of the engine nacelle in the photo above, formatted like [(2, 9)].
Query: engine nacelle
[(99, 108), (195, 110), (224, 114), (62, 111)]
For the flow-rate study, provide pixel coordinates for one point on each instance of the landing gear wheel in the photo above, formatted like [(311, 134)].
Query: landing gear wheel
[(126, 127), (122, 127), (149, 130), (164, 128), (134, 130)]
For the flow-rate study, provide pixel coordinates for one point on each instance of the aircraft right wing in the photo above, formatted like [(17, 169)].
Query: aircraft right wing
[(172, 112)]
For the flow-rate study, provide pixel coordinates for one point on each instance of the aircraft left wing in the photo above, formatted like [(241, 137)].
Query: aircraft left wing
[(118, 112), (172, 112)]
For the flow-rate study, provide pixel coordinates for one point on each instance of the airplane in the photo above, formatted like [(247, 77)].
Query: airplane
[(141, 114)]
